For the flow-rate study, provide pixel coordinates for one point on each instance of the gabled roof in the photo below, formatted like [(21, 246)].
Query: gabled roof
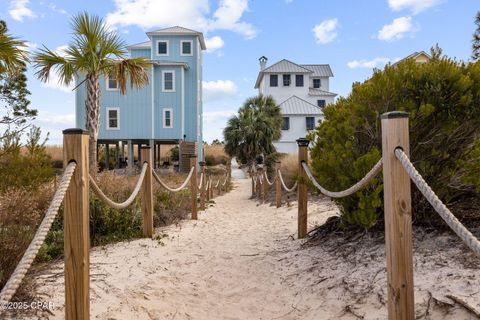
[(319, 70), (296, 105), (414, 55), (177, 30), (320, 92), (285, 66), (141, 45)]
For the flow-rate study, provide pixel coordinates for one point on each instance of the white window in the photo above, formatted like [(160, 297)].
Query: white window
[(186, 48), (168, 81), (113, 118), (167, 118), (162, 48), (112, 84)]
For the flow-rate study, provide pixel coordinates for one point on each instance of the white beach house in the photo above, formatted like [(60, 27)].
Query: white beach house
[(301, 90)]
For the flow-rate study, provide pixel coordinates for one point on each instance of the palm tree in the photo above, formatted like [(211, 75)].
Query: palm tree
[(12, 53), (95, 51), (251, 133)]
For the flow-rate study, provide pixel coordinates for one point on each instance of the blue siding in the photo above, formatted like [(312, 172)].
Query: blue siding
[(136, 106), (140, 53)]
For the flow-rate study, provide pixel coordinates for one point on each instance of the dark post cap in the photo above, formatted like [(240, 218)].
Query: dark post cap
[(201, 163), (74, 131), (303, 142), (145, 147), (192, 156), (395, 115)]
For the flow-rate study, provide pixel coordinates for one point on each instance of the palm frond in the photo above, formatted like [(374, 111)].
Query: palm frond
[(46, 60)]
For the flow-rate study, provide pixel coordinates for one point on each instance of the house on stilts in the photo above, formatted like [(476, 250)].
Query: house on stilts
[(168, 111)]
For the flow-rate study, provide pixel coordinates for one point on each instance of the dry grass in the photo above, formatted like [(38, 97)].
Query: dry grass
[(289, 167), (215, 154)]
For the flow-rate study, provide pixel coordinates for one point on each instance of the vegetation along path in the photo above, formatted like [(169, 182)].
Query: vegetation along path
[(240, 260)]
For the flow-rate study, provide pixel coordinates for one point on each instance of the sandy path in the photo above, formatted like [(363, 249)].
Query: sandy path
[(223, 266), (240, 260)]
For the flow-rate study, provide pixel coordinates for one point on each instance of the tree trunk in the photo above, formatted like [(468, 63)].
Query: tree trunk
[(92, 118)]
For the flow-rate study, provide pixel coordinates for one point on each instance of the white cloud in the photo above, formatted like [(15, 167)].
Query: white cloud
[(214, 116), (54, 80), (375, 62), (54, 8), (50, 118), (193, 14), (397, 29), (218, 90), (416, 6), (325, 31), (214, 43), (19, 10)]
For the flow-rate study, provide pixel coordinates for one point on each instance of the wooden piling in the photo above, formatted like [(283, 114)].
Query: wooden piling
[(77, 227), (398, 218), (302, 188), (278, 186), (202, 187), (147, 193), (194, 186)]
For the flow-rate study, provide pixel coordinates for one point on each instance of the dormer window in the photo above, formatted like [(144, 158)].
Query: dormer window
[(286, 80), (112, 83), (162, 47), (317, 83), (274, 80), (186, 47)]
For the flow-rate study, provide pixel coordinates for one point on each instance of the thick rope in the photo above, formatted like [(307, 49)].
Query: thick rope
[(126, 203), (225, 182), (283, 183), (201, 181), (470, 240), (356, 187), (218, 182), (19, 273), (184, 184), (268, 181)]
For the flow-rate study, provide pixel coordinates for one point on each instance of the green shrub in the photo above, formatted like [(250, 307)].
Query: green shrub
[(442, 98)]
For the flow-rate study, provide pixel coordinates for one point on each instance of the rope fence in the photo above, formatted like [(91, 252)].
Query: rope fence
[(130, 199), (397, 173), (25, 263), (73, 190)]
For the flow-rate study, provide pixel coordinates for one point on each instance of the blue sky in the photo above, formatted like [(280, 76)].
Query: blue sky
[(353, 36)]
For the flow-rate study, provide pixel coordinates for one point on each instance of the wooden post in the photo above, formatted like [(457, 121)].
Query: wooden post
[(253, 184), (211, 189), (302, 188), (258, 184), (194, 186), (202, 187), (265, 185), (398, 217), (77, 227), (107, 157), (147, 193), (278, 186)]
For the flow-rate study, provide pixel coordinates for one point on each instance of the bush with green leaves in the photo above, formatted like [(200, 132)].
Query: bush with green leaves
[(442, 98)]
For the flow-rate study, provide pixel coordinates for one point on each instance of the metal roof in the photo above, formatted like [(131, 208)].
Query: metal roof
[(141, 45), (295, 105), (319, 92), (319, 70), (285, 66), (177, 30)]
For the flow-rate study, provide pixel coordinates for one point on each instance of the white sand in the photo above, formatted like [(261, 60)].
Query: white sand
[(240, 260)]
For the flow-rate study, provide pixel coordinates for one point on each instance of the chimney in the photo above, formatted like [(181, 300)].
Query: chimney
[(263, 62)]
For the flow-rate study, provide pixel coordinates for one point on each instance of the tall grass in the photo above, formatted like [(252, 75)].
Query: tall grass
[(289, 167), (215, 154)]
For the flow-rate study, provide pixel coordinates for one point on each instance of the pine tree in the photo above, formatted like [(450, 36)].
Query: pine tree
[(476, 39), (13, 97)]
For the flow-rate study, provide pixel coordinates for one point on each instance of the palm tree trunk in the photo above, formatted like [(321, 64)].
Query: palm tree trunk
[(92, 118)]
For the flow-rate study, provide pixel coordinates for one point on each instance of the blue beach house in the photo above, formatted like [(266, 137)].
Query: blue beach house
[(168, 111)]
